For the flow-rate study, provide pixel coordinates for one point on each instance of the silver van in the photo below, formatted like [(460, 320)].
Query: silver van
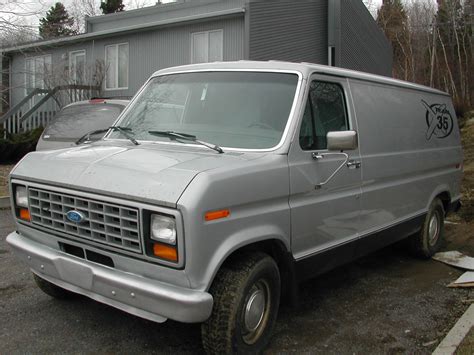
[(223, 185)]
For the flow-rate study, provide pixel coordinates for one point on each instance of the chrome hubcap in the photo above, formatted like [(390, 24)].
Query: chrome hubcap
[(255, 312), (433, 229)]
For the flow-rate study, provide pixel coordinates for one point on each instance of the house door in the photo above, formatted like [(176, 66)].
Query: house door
[(323, 217)]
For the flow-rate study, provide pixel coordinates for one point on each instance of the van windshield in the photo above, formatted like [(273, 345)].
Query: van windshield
[(246, 110)]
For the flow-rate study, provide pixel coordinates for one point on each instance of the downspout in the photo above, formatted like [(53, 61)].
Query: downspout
[(246, 31), (93, 65), (334, 33)]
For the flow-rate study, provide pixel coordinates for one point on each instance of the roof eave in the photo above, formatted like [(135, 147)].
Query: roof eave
[(127, 29), (145, 10)]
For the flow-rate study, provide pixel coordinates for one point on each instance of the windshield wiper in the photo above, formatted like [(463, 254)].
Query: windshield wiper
[(124, 130), (187, 137)]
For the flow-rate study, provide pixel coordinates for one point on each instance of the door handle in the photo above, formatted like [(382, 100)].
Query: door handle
[(353, 164)]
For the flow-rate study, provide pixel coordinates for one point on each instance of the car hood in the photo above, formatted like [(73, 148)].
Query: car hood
[(151, 173)]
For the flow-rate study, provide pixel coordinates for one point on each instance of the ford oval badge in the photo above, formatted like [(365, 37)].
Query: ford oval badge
[(75, 216)]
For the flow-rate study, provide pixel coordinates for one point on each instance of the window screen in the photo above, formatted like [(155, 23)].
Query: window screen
[(116, 61), (215, 46), (325, 111), (38, 71), (207, 46), (199, 48), (77, 67)]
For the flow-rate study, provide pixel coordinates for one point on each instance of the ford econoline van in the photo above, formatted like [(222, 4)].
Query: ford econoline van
[(223, 185)]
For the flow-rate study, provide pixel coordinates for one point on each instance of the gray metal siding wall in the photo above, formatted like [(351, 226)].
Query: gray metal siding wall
[(293, 31), (17, 78), (153, 50), (363, 46), (148, 52)]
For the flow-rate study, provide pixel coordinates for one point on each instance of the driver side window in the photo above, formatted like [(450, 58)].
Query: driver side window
[(325, 111)]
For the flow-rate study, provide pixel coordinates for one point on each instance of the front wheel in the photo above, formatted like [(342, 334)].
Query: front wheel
[(428, 240), (246, 300)]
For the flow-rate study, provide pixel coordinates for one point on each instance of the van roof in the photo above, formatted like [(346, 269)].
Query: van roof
[(305, 69)]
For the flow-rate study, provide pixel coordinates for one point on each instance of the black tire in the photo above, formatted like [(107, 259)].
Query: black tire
[(236, 286), (424, 244), (51, 289)]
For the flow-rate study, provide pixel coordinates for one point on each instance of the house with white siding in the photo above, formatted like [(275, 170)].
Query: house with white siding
[(119, 51)]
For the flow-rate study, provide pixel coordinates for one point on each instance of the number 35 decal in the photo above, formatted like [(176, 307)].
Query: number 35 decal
[(439, 121)]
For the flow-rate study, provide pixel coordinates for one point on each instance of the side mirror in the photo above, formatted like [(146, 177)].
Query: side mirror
[(341, 140)]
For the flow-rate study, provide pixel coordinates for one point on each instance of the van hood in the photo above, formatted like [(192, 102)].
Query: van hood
[(149, 173)]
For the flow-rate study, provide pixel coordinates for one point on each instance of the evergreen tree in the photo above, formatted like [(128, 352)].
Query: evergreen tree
[(111, 6), (57, 23)]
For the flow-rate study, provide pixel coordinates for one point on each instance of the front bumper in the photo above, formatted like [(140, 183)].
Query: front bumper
[(143, 297)]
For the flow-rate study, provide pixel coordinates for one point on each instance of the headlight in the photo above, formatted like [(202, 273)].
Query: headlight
[(163, 229), (21, 197)]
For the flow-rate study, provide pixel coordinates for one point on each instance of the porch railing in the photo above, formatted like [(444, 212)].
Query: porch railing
[(39, 106)]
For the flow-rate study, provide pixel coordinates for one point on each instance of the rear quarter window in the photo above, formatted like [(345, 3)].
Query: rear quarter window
[(74, 121)]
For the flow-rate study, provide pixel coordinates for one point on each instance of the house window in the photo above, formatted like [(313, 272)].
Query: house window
[(207, 46), (38, 72), (116, 61), (77, 67)]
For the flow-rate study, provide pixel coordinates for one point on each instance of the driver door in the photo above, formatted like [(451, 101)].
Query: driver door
[(327, 217)]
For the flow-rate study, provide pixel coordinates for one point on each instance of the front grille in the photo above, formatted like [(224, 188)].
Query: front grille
[(111, 224)]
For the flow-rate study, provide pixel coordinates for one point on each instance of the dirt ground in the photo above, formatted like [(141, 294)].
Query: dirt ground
[(4, 171), (467, 345), (467, 212)]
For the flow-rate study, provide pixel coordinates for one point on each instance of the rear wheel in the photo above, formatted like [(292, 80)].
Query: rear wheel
[(246, 300), (51, 289), (428, 240)]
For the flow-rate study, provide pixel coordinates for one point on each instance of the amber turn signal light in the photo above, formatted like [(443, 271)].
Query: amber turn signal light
[(165, 252), (210, 216), (25, 214)]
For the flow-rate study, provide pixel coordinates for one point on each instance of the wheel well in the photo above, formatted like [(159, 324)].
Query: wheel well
[(284, 260), (445, 199)]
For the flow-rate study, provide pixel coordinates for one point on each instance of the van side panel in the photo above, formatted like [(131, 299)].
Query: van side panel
[(410, 150)]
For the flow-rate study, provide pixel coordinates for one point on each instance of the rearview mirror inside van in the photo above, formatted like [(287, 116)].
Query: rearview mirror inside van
[(342, 140)]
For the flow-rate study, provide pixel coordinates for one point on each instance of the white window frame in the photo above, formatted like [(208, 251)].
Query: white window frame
[(207, 44), (33, 74), (116, 45), (72, 55)]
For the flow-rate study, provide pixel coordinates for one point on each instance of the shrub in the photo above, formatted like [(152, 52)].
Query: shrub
[(14, 146)]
